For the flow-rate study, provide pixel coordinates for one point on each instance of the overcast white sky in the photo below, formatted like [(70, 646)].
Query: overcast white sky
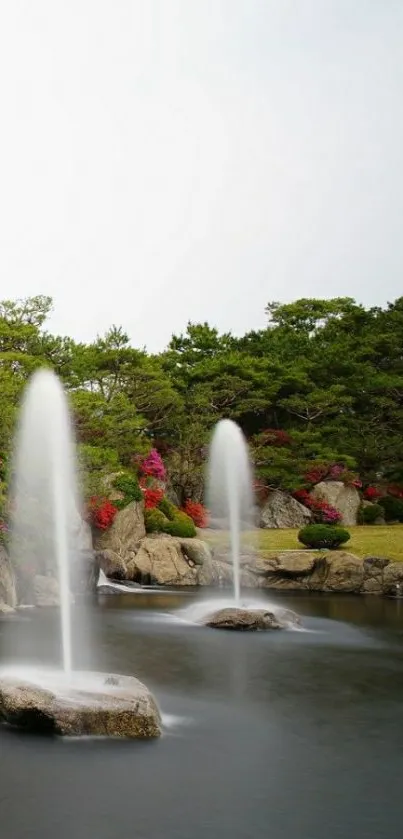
[(172, 160)]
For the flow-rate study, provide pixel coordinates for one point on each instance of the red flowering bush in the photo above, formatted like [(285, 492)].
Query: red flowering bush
[(261, 491), (152, 466), (372, 493), (197, 512), (275, 437), (152, 497), (331, 472), (100, 512), (395, 490), (323, 512)]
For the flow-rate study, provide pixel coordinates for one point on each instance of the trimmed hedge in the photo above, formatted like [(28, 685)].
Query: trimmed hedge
[(392, 508), (370, 514), (180, 525), (323, 536)]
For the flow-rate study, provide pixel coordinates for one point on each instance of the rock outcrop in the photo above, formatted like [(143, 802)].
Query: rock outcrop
[(8, 594), (345, 499), (282, 510), (120, 543), (120, 706), (160, 561), (251, 620), (331, 571), (46, 591)]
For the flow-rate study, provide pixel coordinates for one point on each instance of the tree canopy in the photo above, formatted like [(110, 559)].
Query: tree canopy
[(322, 383)]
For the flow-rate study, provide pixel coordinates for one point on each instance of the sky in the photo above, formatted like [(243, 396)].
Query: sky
[(166, 161)]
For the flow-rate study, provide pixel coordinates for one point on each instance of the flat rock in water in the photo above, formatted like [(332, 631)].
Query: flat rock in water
[(251, 620), (110, 706)]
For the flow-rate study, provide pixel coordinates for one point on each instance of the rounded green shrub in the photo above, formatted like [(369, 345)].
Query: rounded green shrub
[(169, 509), (323, 536), (392, 508), (129, 486), (370, 514), (155, 521), (182, 526)]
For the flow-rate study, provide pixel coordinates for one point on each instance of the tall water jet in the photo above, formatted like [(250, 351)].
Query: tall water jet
[(46, 530), (44, 494), (230, 491)]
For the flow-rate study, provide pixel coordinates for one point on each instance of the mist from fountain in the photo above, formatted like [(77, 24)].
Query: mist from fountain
[(46, 526), (44, 494), (230, 498)]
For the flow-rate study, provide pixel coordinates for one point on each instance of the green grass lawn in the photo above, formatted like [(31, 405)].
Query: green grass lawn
[(386, 541)]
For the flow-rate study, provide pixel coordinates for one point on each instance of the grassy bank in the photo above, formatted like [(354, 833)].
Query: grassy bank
[(384, 541), (365, 541)]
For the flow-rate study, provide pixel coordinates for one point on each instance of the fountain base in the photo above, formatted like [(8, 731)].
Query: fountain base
[(88, 704), (250, 620)]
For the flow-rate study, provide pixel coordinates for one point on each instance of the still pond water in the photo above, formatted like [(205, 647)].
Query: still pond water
[(283, 735)]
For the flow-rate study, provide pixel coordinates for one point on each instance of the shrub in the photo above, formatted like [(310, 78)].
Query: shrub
[(152, 497), (101, 512), (323, 536), (392, 508), (169, 509), (323, 512), (152, 466), (155, 521), (369, 515), (372, 493), (129, 486), (182, 526), (197, 512)]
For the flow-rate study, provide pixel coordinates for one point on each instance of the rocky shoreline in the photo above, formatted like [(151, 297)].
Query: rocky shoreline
[(126, 553)]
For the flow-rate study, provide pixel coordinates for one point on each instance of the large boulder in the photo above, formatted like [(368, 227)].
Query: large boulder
[(289, 570), (8, 594), (161, 561), (282, 510), (251, 620), (114, 706), (345, 573), (46, 591), (345, 499), (393, 579), (121, 541)]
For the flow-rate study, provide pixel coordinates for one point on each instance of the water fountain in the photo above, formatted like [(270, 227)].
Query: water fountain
[(230, 500), (45, 527)]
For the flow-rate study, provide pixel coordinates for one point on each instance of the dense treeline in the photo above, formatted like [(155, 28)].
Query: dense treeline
[(322, 384)]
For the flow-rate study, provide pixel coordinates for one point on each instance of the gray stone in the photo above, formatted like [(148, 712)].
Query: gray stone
[(346, 573), (123, 707), (8, 594), (121, 540), (160, 561), (345, 499), (46, 591), (282, 511), (393, 578), (250, 620)]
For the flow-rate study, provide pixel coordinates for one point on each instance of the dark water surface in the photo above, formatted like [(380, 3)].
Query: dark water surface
[(283, 735)]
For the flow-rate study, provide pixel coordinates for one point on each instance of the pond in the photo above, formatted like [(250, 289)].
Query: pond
[(268, 735)]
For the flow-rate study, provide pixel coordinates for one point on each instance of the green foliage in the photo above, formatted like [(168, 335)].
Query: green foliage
[(94, 465), (155, 521), (323, 536), (329, 373), (168, 509), (392, 508), (182, 526), (369, 514), (177, 524), (129, 486)]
